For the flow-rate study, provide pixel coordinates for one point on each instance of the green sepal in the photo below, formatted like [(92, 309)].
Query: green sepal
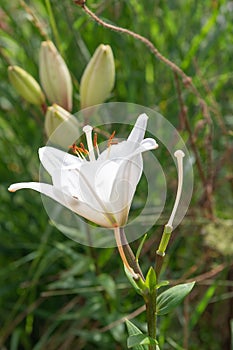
[(151, 279), (140, 339), (169, 299)]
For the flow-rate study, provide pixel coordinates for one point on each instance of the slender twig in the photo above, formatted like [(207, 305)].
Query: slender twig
[(35, 20), (147, 42), (18, 319), (183, 112), (214, 107), (187, 80), (207, 179), (188, 83), (123, 319)]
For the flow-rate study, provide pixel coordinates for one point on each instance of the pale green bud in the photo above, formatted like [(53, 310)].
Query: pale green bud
[(61, 127), (26, 85), (55, 76), (98, 78)]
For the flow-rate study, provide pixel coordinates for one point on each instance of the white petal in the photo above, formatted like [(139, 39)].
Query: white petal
[(124, 148), (105, 177), (117, 178), (98, 217), (149, 144), (80, 183), (138, 132), (117, 151), (53, 159), (126, 180)]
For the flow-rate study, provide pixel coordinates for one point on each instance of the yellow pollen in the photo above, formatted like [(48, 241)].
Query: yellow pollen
[(79, 151)]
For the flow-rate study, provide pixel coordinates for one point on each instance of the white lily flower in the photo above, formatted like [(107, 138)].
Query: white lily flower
[(100, 189)]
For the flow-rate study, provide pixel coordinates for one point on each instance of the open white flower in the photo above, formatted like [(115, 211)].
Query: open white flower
[(100, 189)]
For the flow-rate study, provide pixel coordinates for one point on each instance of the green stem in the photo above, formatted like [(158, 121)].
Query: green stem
[(151, 316), (158, 263), (160, 253), (53, 23)]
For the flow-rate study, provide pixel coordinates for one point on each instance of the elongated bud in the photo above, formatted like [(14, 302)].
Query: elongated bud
[(98, 78), (26, 85), (61, 127), (54, 76)]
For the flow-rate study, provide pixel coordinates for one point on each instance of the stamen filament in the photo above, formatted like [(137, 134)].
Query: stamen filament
[(111, 138), (79, 151), (96, 144), (88, 132), (179, 155)]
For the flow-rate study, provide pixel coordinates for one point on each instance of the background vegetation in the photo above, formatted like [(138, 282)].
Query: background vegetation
[(53, 293)]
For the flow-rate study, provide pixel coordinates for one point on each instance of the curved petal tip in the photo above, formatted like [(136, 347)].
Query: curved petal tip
[(149, 144), (12, 188), (143, 116)]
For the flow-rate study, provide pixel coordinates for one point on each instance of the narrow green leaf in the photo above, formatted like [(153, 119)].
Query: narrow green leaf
[(162, 284), (201, 306), (133, 330), (151, 279), (140, 339), (140, 246), (169, 299)]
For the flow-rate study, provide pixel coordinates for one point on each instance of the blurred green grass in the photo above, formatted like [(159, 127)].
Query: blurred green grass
[(50, 294)]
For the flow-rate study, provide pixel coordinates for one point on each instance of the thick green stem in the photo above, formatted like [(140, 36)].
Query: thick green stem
[(160, 253), (151, 316)]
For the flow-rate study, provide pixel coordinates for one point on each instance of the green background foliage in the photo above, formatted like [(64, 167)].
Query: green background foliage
[(57, 294)]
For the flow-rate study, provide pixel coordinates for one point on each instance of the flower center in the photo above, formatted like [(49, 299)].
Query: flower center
[(92, 146), (80, 151)]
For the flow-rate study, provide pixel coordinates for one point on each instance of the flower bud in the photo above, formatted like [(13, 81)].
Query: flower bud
[(26, 85), (61, 127), (98, 78), (55, 76)]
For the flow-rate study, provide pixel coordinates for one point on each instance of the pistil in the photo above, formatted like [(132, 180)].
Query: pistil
[(88, 132), (179, 156)]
